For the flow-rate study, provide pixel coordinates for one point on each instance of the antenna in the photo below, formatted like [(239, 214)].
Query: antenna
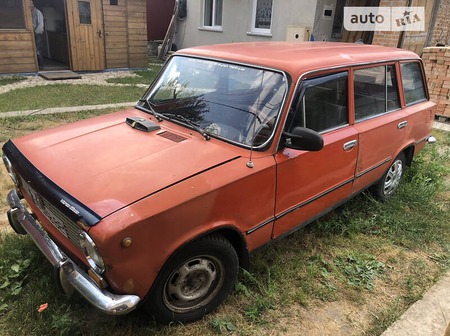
[(250, 163)]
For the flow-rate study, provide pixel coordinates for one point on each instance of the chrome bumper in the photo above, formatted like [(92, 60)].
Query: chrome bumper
[(22, 221)]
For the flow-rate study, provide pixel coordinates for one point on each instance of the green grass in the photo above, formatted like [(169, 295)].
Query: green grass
[(60, 95), (376, 257), (13, 127), (142, 77), (5, 80)]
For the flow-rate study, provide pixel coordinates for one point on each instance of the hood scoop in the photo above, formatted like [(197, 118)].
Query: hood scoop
[(142, 124)]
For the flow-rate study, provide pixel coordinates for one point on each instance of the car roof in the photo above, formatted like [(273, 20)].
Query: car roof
[(299, 57)]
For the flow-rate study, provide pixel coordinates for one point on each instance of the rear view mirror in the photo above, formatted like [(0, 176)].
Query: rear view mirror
[(302, 138)]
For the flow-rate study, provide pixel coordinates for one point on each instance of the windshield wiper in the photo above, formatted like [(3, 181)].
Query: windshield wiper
[(193, 125), (150, 109)]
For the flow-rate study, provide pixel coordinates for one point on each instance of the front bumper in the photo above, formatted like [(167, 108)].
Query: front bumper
[(23, 222)]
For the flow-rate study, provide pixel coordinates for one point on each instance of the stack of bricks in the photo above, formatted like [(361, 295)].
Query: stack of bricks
[(437, 68)]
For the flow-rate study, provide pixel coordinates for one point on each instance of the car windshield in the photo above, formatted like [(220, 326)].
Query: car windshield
[(234, 102)]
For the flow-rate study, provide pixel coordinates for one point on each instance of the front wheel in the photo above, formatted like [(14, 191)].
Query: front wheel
[(390, 181), (195, 281)]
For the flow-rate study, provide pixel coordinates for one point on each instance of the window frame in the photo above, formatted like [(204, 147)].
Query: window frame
[(399, 87), (322, 77), (214, 26), (261, 31)]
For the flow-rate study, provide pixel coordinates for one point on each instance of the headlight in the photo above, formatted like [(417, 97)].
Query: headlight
[(91, 253), (10, 170)]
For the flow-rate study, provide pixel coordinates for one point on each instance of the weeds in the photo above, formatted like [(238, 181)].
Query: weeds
[(360, 270), (14, 264), (221, 325)]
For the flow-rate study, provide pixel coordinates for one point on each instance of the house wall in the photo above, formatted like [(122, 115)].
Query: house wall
[(441, 29), (125, 34), (437, 26), (159, 13), (236, 21), (17, 49)]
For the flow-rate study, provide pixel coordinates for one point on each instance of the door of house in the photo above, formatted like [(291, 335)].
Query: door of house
[(84, 21)]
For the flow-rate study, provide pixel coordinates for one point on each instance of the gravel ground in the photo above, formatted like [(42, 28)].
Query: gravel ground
[(88, 78)]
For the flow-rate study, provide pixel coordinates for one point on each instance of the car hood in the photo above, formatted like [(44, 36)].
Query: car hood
[(106, 164)]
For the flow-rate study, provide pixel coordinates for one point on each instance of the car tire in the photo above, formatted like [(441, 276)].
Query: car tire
[(194, 281), (389, 183)]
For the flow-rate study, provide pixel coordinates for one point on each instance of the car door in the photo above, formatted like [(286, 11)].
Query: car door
[(379, 119), (310, 183)]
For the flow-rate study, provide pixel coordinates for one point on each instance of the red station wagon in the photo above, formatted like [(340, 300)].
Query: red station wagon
[(232, 146)]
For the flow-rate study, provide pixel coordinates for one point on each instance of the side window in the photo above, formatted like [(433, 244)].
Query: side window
[(376, 91), (323, 103), (413, 82)]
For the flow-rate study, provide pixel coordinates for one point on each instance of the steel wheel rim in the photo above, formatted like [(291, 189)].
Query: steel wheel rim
[(193, 284), (393, 177)]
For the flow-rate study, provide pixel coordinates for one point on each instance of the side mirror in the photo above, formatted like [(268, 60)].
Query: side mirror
[(303, 138)]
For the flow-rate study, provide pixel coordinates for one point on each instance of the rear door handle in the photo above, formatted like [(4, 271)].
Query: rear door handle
[(349, 145), (402, 124)]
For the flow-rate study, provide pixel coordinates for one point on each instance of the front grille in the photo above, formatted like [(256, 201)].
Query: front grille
[(66, 226)]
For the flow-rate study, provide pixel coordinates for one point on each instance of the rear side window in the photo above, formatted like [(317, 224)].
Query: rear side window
[(413, 83), (376, 91), (323, 104)]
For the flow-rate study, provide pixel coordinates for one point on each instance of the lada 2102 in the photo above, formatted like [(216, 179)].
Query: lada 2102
[(231, 147)]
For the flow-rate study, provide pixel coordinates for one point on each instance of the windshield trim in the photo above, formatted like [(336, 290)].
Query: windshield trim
[(286, 78)]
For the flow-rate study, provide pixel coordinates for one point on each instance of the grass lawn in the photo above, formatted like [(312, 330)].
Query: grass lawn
[(5, 80), (60, 94), (353, 272)]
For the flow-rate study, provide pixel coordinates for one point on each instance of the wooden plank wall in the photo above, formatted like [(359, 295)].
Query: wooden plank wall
[(17, 49), (125, 34), (416, 41), (116, 40), (137, 33)]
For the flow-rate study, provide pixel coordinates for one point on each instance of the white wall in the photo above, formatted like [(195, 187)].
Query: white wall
[(236, 22)]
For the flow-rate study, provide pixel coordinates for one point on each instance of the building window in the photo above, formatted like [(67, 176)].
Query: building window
[(114, 2), (262, 16), (11, 14), (212, 13), (84, 9)]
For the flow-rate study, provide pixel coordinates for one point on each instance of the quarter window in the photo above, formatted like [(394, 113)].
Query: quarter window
[(212, 13), (376, 91), (11, 14), (262, 16), (323, 103), (413, 83)]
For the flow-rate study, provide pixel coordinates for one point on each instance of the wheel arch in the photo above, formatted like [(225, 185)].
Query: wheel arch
[(409, 154)]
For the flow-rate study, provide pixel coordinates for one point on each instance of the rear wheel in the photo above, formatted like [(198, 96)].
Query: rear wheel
[(195, 281), (390, 181)]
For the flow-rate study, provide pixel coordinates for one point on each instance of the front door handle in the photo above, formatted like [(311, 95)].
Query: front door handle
[(402, 124), (349, 145)]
